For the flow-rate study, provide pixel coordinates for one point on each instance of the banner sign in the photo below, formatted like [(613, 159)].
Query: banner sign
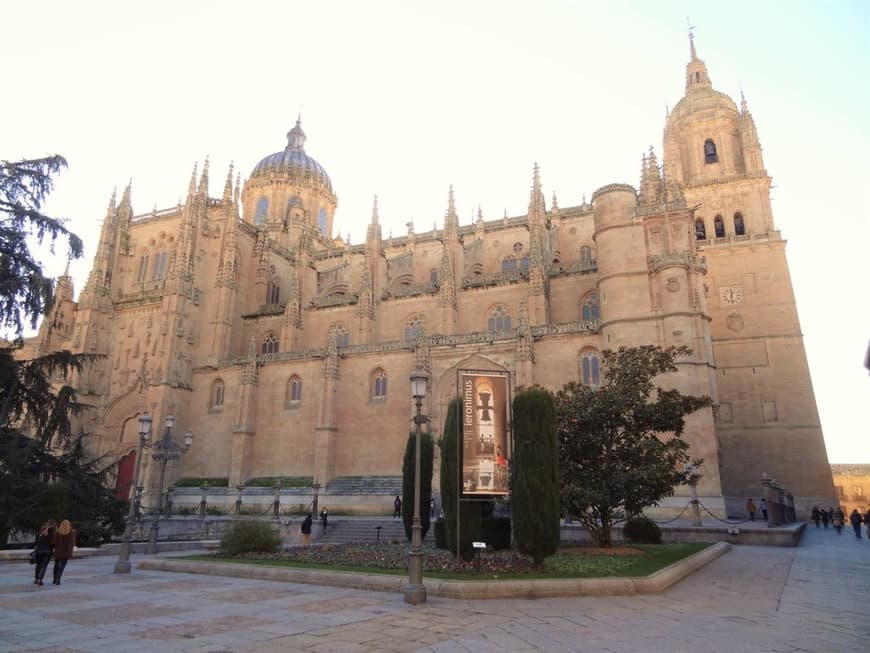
[(485, 441)]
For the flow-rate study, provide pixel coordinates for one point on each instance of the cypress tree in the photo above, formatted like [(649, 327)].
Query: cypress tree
[(427, 453), (535, 489), (469, 515)]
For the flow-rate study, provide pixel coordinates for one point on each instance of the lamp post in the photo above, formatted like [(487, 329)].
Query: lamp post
[(165, 449), (123, 564), (693, 493), (415, 592)]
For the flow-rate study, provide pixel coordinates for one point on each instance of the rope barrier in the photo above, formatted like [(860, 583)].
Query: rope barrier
[(724, 521), (668, 521)]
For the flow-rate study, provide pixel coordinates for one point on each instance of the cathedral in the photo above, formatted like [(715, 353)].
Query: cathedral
[(287, 351)]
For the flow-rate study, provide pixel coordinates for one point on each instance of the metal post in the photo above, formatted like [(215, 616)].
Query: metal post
[(122, 566), (415, 593), (155, 515)]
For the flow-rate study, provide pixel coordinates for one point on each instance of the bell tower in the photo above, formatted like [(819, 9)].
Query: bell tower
[(766, 418)]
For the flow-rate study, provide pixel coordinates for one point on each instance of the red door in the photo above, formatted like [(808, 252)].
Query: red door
[(125, 476)]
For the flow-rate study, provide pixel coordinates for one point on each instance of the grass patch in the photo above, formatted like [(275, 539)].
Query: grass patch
[(385, 558)]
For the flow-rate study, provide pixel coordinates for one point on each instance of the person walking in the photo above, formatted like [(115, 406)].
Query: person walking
[(324, 518), (43, 550), (855, 520), (306, 530), (837, 520), (826, 517), (816, 515), (763, 505), (64, 543), (751, 509), (867, 522), (397, 507)]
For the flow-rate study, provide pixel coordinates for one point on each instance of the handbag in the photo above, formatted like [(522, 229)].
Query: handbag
[(32, 558)]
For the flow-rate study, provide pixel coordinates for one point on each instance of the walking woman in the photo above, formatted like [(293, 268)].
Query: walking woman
[(64, 541), (43, 550)]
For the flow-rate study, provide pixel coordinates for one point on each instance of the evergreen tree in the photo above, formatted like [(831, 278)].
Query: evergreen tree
[(469, 511), (620, 445), (427, 453), (43, 467), (535, 486)]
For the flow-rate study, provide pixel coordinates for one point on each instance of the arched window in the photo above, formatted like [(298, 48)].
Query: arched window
[(700, 229), (586, 254), (719, 226), (158, 271), (321, 221), (294, 201), (273, 292), (413, 326), (508, 264), (433, 275), (590, 370), (293, 395), (342, 337), (710, 155), (499, 318), (270, 344), (739, 226), (143, 268), (262, 212), (379, 384), (217, 394), (590, 309), (524, 264)]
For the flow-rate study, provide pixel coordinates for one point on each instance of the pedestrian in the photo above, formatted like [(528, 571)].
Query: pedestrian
[(750, 508), (763, 505), (324, 518), (43, 549), (867, 522), (837, 520), (826, 517), (397, 507), (432, 507), (306, 530), (816, 515), (855, 520), (64, 543)]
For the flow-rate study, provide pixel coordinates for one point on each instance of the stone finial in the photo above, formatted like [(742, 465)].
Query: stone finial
[(228, 186)]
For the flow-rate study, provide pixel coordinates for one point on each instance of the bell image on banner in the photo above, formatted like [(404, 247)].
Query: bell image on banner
[(485, 445)]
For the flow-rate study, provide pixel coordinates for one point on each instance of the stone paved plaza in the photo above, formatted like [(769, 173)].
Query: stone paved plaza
[(815, 597)]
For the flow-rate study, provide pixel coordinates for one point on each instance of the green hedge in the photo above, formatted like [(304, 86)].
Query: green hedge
[(283, 481), (496, 532), (211, 481), (642, 530)]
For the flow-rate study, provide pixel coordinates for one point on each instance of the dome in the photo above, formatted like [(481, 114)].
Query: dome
[(700, 99), (293, 157)]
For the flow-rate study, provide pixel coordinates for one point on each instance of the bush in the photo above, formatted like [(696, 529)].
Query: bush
[(283, 481), (427, 454), (642, 530), (469, 511), (92, 534), (250, 537), (496, 532)]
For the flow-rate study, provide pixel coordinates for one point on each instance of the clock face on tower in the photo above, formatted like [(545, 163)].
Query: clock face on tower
[(731, 295)]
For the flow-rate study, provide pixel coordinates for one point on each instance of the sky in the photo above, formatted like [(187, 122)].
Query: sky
[(402, 99)]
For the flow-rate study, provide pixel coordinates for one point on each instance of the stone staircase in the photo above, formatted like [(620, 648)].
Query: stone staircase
[(389, 485), (344, 530)]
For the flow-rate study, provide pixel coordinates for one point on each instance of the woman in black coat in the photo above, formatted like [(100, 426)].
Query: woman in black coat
[(44, 548)]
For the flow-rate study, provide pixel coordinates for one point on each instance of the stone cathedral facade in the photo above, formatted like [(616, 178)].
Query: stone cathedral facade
[(287, 351)]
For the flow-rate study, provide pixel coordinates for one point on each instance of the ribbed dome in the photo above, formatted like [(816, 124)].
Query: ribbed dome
[(699, 99), (293, 157)]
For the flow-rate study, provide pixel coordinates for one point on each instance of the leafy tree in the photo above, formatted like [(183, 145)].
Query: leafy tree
[(43, 466), (469, 511), (25, 292), (620, 445), (535, 487), (427, 453)]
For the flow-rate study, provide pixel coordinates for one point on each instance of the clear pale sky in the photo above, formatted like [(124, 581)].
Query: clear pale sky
[(402, 99)]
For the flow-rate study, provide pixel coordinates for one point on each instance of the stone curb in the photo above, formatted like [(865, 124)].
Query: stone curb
[(455, 589)]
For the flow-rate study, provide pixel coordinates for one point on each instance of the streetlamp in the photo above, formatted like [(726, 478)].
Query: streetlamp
[(415, 592), (165, 449), (123, 564)]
